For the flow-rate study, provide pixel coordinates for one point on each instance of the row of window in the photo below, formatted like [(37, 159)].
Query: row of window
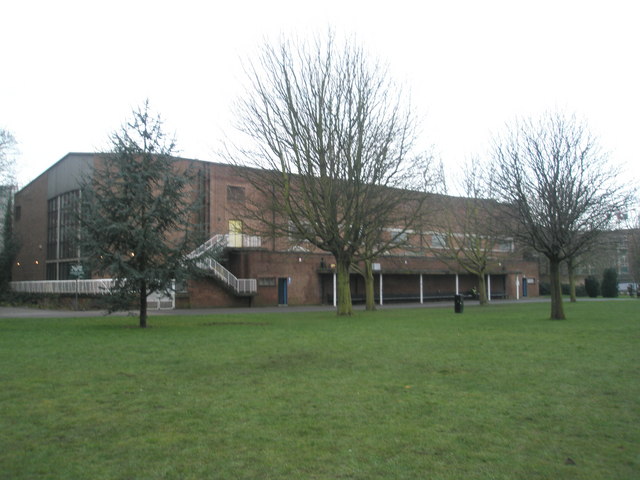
[(63, 233), (441, 240), (63, 248)]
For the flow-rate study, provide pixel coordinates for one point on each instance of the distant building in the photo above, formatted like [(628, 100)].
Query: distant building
[(614, 249), (256, 270)]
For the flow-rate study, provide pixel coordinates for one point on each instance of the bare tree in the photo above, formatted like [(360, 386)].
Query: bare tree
[(467, 230), (634, 254), (393, 216), (562, 188), (329, 132), (7, 161)]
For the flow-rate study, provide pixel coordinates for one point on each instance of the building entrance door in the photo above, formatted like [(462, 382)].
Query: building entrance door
[(235, 234), (282, 291)]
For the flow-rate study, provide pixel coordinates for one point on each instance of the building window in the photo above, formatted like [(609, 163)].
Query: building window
[(398, 236), (69, 226), (267, 282), (235, 194), (52, 228), (63, 232), (438, 240), (623, 261), (504, 245), (52, 271)]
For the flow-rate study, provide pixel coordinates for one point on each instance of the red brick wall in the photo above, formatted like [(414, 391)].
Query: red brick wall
[(206, 292), (31, 230)]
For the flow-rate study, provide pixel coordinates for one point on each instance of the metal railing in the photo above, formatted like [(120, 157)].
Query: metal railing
[(241, 286), (102, 286), (99, 286), (233, 240)]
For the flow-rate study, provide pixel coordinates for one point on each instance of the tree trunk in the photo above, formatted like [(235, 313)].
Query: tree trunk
[(482, 289), (572, 280), (344, 288), (557, 309), (370, 301), (143, 304)]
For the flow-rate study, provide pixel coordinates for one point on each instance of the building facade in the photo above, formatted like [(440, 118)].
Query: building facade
[(253, 270)]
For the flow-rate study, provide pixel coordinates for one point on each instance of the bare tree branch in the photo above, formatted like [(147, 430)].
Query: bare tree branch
[(561, 186), (327, 132)]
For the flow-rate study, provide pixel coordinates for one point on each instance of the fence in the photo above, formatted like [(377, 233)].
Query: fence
[(101, 286)]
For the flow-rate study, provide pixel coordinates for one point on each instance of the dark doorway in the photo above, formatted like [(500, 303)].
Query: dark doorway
[(282, 291)]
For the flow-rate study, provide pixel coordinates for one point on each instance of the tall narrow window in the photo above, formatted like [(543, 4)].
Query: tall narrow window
[(62, 234), (69, 225), (52, 228)]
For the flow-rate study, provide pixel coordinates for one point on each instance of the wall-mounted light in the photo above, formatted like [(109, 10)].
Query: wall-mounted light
[(37, 262), (18, 264), (299, 259)]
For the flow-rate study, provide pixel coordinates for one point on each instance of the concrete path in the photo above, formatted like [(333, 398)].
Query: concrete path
[(20, 312)]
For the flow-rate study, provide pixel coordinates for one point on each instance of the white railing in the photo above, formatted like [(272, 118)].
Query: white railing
[(217, 241), (162, 300), (100, 286), (251, 241), (241, 286), (233, 240)]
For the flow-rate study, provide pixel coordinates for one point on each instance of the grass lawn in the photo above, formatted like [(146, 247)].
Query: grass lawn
[(499, 392)]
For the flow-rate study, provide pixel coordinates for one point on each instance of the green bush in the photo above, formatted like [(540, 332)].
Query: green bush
[(581, 291), (610, 283), (545, 289), (592, 286)]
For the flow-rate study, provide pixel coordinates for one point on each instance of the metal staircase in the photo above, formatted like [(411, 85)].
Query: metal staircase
[(205, 262)]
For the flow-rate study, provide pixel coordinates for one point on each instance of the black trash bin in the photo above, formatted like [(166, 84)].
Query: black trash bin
[(458, 303)]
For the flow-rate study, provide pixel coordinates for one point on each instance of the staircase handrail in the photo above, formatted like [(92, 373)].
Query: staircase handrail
[(239, 285)]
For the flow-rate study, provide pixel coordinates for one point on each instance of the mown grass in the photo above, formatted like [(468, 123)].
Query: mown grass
[(495, 393)]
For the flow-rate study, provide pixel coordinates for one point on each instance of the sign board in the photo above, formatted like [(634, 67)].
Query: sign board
[(76, 271)]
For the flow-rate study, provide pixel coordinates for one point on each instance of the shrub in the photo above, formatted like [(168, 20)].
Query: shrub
[(592, 286), (581, 291), (610, 283), (545, 288)]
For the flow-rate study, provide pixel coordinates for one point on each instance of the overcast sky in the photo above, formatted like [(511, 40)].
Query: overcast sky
[(73, 70)]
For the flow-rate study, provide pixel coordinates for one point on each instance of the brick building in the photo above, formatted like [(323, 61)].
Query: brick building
[(277, 271)]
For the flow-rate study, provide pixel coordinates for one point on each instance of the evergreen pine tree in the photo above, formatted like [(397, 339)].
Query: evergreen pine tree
[(136, 213), (592, 286), (9, 249), (610, 283)]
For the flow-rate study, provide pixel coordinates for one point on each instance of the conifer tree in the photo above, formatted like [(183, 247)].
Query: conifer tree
[(136, 212), (9, 249)]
